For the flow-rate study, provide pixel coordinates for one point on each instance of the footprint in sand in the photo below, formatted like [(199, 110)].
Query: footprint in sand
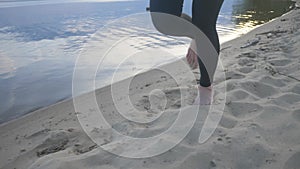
[(228, 122), (243, 109), (293, 162), (296, 115), (245, 70), (246, 62), (155, 102), (296, 89), (234, 75), (254, 156), (230, 86), (250, 55), (205, 160), (271, 115), (160, 100), (279, 62), (57, 141), (238, 95), (288, 100), (259, 89), (273, 81)]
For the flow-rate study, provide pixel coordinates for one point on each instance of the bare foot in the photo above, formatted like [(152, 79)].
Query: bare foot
[(205, 96), (192, 57)]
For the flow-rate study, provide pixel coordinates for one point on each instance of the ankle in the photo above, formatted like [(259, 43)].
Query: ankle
[(205, 87)]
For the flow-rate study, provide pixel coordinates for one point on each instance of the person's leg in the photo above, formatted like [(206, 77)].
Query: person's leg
[(165, 16), (205, 14), (173, 7)]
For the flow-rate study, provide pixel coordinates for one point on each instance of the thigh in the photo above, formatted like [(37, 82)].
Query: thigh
[(205, 12), (173, 7)]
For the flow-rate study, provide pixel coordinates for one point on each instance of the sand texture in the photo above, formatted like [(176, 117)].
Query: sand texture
[(260, 126)]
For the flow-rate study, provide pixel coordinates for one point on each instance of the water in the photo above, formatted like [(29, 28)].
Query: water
[(40, 41)]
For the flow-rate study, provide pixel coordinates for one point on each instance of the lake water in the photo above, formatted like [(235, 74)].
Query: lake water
[(41, 40)]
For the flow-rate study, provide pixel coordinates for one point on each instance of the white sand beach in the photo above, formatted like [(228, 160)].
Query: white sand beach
[(260, 126)]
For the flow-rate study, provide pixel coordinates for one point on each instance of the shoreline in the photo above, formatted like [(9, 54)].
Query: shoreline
[(14, 106), (244, 65), (68, 98)]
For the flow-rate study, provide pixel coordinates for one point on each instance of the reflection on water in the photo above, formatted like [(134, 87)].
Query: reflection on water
[(250, 13), (238, 17), (39, 44)]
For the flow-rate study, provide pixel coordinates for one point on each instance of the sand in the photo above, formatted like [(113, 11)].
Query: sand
[(259, 127)]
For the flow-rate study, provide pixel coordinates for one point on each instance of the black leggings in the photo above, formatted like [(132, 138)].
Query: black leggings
[(205, 14)]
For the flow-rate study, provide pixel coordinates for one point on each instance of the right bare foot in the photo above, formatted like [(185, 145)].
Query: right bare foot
[(205, 96)]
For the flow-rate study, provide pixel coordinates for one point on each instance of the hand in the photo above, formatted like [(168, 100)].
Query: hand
[(192, 57)]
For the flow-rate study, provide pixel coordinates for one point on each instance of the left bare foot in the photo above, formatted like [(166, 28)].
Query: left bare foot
[(205, 96)]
